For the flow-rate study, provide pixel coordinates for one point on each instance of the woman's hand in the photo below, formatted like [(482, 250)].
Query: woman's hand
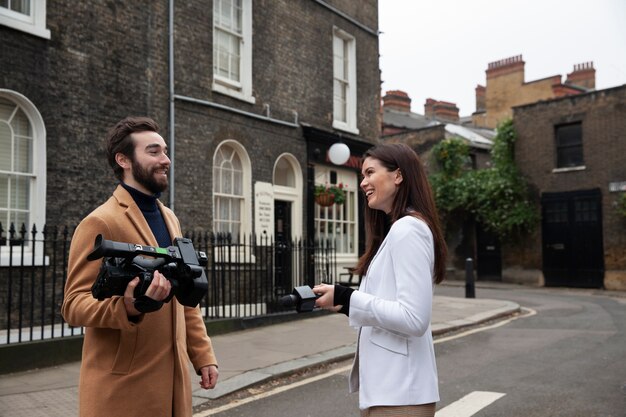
[(326, 297)]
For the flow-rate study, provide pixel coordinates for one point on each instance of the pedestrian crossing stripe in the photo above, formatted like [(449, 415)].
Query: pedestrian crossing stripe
[(470, 404)]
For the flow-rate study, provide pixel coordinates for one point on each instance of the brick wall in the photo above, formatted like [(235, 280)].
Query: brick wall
[(507, 91), (603, 118), (107, 60), (104, 61)]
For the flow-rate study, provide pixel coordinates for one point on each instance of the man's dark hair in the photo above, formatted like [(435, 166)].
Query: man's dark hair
[(119, 140)]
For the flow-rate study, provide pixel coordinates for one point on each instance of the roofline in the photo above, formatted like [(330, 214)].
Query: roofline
[(551, 100)]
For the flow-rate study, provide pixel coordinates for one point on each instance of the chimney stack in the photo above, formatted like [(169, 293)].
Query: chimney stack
[(584, 75), (441, 110), (397, 100), (505, 66), (480, 98)]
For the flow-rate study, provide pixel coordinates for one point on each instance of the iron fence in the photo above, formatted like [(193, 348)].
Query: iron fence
[(246, 277)]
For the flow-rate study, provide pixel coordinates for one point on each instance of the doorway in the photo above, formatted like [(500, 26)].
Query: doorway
[(488, 255), (572, 247), (283, 263)]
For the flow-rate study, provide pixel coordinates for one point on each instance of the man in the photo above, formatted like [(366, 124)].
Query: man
[(135, 363)]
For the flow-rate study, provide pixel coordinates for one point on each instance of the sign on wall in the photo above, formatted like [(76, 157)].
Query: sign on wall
[(617, 186), (263, 211)]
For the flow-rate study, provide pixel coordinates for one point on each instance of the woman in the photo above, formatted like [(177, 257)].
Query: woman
[(394, 368)]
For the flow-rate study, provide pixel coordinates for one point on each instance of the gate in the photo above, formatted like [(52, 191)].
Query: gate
[(572, 247)]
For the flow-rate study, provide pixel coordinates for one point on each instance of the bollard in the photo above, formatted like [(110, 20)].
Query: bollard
[(469, 279)]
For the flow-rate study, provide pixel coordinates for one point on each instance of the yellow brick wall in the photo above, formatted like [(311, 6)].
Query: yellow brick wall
[(509, 90)]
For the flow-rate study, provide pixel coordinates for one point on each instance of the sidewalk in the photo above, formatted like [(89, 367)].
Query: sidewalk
[(246, 357)]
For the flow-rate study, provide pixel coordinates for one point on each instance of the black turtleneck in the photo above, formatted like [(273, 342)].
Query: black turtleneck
[(148, 206)]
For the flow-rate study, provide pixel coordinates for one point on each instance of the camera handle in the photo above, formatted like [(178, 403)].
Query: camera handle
[(143, 303)]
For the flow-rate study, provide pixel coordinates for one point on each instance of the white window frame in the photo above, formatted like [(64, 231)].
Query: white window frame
[(321, 214), (245, 227), (349, 43), (37, 197), (241, 90), (35, 23)]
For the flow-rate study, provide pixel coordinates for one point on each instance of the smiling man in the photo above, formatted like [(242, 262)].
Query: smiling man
[(135, 358)]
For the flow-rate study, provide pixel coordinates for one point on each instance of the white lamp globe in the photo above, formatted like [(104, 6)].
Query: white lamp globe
[(339, 153)]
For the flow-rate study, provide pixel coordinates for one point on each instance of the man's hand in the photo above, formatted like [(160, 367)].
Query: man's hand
[(159, 289), (209, 376)]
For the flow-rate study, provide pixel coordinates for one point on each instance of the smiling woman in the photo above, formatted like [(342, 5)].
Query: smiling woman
[(379, 184), (404, 258)]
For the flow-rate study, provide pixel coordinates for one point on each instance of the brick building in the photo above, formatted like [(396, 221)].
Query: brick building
[(506, 87), (421, 132), (249, 96), (572, 150)]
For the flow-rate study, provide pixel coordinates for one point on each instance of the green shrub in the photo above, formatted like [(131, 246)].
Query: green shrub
[(497, 197)]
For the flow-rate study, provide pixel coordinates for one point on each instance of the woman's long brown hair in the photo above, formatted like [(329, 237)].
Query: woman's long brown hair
[(414, 193)]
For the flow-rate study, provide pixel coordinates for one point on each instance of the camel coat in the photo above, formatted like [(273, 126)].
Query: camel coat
[(131, 369)]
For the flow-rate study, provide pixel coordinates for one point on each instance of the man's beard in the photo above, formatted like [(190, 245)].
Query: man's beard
[(146, 178)]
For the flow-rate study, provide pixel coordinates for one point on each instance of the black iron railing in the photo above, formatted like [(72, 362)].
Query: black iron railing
[(246, 277)]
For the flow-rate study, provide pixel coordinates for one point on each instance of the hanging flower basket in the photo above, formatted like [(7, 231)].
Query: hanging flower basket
[(327, 195), (325, 200)]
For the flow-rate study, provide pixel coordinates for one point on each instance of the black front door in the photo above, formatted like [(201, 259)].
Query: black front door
[(573, 254), (282, 247), (488, 255)]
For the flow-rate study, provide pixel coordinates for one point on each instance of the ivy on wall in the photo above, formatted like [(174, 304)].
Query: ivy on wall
[(497, 196), (621, 204)]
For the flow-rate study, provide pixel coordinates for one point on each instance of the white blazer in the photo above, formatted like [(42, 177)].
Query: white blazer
[(395, 362)]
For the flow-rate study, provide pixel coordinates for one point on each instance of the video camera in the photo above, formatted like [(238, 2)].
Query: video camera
[(179, 263), (302, 298)]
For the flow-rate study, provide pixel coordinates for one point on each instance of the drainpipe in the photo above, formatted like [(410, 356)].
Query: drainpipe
[(172, 145)]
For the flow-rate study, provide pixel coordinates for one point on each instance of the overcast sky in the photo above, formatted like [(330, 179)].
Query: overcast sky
[(440, 48)]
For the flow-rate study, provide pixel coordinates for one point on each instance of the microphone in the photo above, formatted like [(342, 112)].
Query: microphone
[(302, 298)]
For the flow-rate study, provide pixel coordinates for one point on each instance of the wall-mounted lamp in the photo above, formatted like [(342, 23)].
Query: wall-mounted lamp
[(339, 153)]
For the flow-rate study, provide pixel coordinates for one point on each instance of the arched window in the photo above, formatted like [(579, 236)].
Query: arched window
[(288, 183), (22, 172), (231, 190), (22, 162), (284, 173)]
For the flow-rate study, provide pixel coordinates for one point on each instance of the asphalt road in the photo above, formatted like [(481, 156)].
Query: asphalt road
[(566, 356)]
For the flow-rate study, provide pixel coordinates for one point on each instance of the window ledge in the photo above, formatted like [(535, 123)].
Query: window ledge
[(569, 169), (218, 88), (343, 126), (27, 27)]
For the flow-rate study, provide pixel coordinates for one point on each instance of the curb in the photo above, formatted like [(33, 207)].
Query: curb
[(257, 376), (450, 326)]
